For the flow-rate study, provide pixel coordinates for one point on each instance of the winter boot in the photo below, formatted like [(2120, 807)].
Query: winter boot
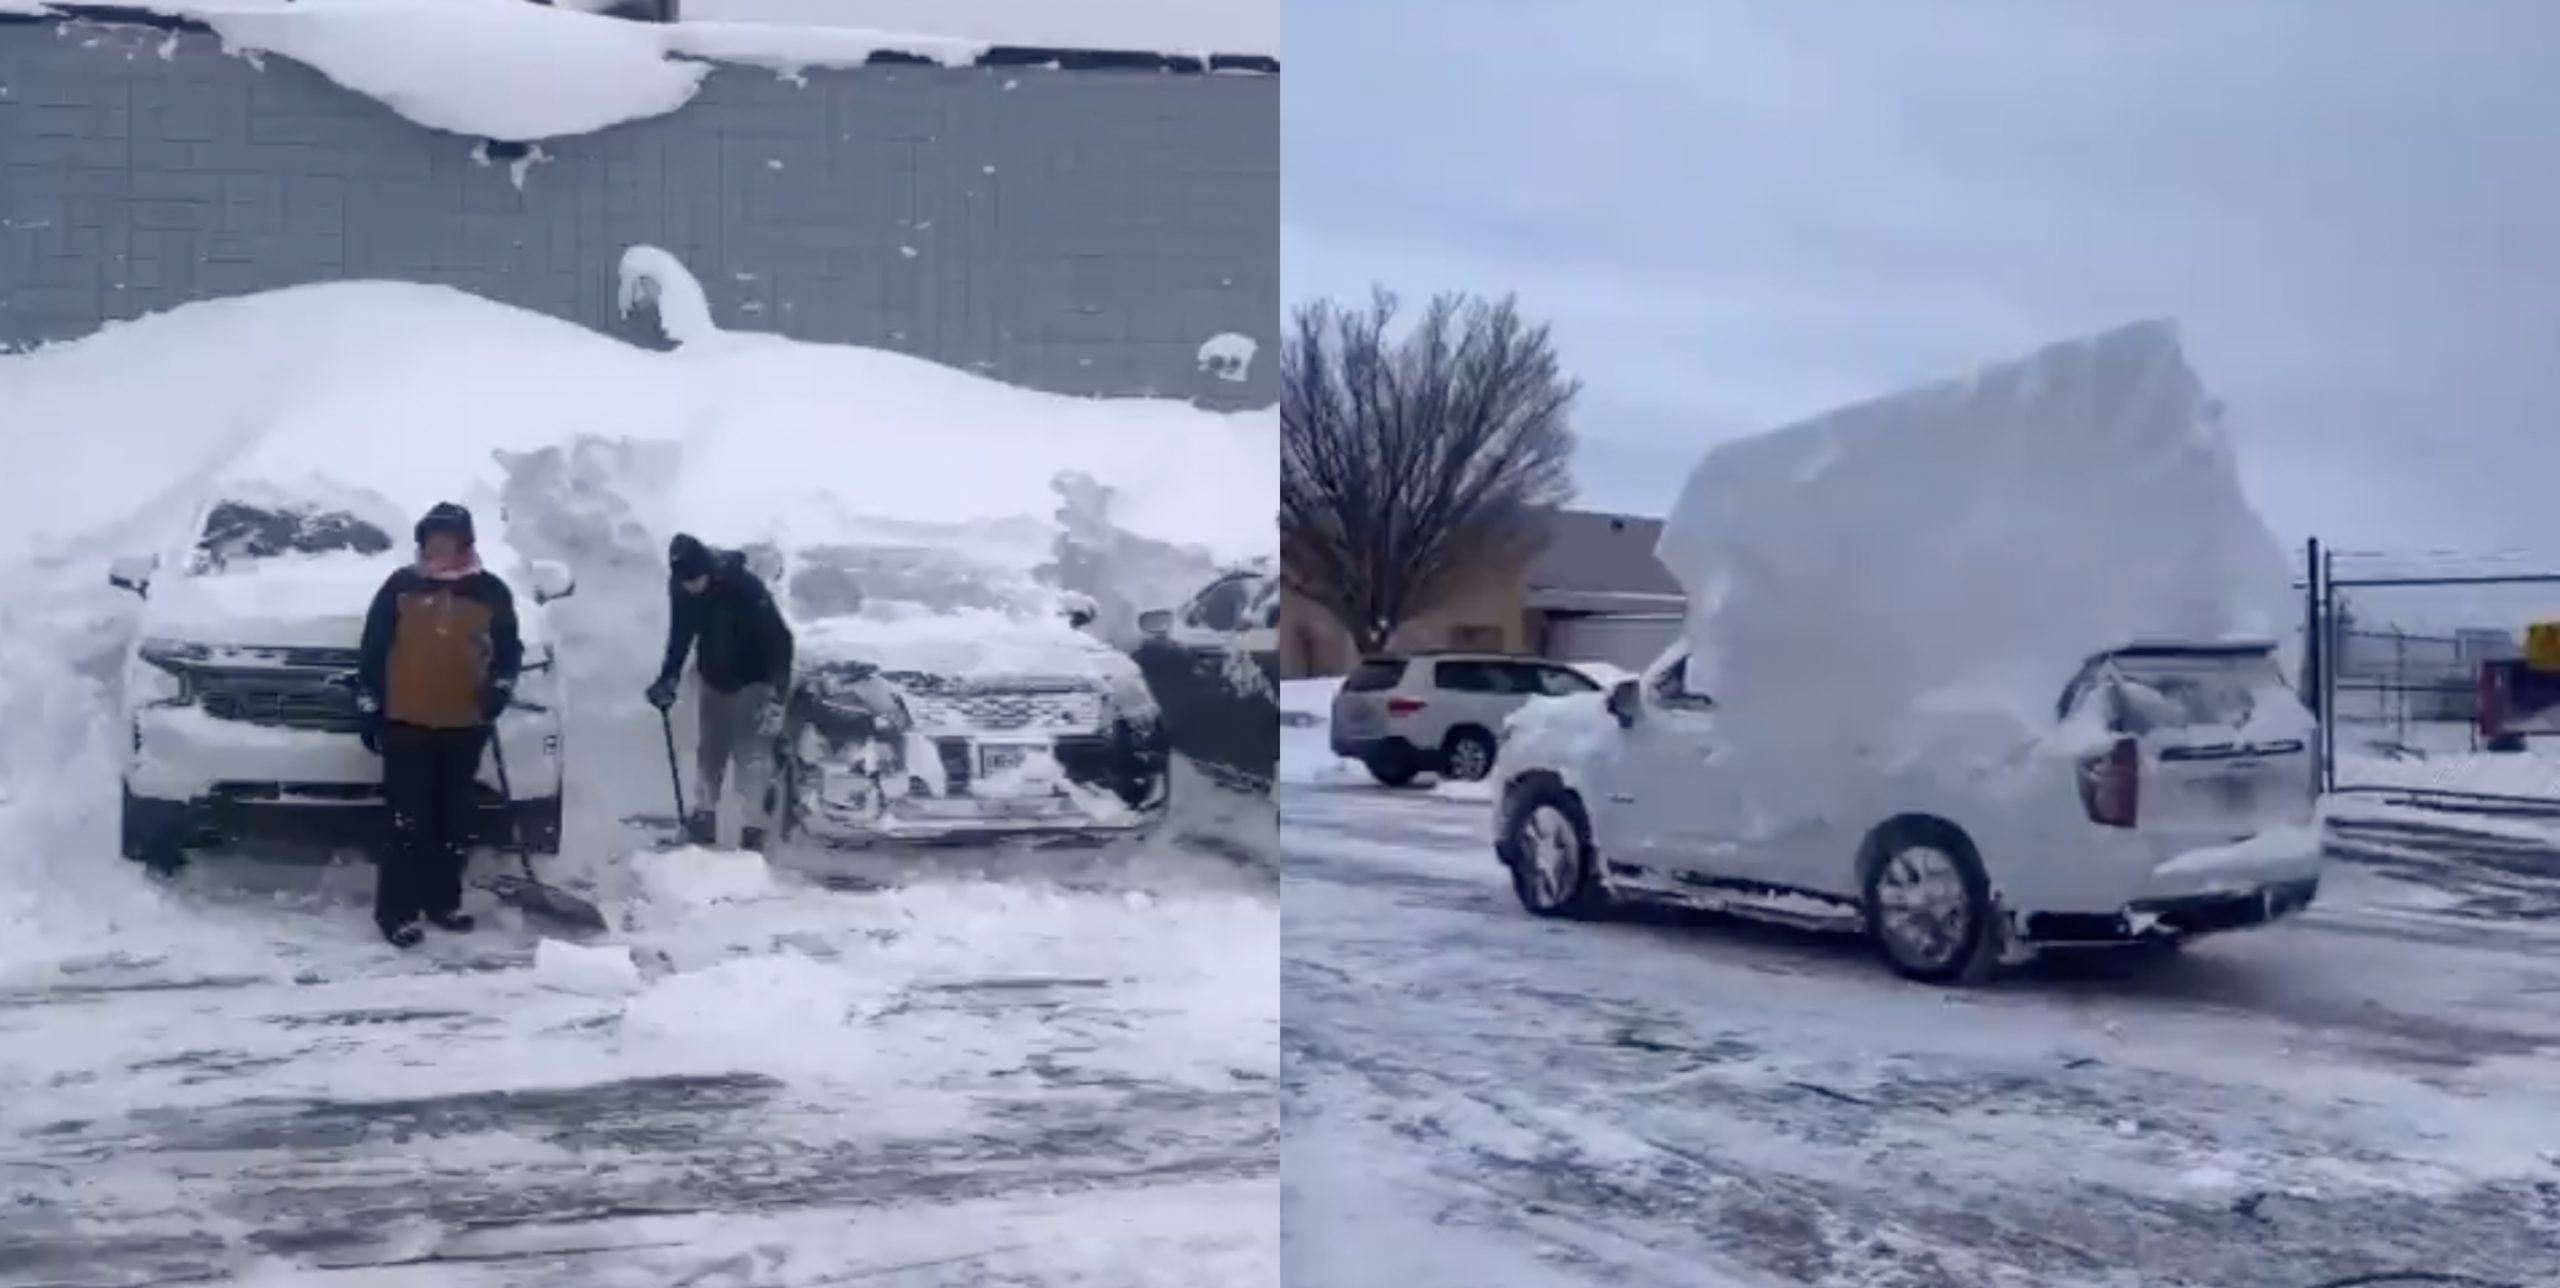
[(404, 935), (459, 923), (702, 827), (751, 839)]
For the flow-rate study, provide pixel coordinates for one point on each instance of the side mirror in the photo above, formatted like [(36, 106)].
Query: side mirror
[(1156, 622), (552, 580), (1625, 703), (133, 574)]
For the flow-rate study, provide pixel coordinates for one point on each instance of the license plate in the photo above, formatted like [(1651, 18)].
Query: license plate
[(1002, 758)]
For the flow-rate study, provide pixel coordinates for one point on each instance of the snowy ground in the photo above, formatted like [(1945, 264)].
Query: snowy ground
[(1476, 1097), (999, 1067)]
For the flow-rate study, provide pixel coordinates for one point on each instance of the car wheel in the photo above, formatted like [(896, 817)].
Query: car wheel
[(1929, 908), (1468, 754), (1546, 842), (1394, 767)]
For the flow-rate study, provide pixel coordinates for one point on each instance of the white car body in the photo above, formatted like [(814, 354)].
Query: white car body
[(2222, 833), (1440, 712), (238, 718), (939, 699)]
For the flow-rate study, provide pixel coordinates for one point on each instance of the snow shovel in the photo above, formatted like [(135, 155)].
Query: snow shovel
[(527, 892)]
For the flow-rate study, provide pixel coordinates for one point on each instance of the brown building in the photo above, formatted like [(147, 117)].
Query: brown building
[(1593, 593)]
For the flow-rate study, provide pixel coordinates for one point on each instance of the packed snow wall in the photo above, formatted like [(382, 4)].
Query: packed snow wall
[(1097, 224)]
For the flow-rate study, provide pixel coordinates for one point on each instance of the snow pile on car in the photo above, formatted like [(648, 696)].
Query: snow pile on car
[(1966, 546)]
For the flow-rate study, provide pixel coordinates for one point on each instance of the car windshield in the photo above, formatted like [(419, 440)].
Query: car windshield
[(237, 530), (837, 581)]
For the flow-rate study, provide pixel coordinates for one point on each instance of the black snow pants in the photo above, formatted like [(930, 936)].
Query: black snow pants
[(427, 777)]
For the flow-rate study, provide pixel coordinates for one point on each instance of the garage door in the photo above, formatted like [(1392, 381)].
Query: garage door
[(1630, 642)]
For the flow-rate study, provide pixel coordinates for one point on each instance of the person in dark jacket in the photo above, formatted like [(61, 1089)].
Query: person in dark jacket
[(437, 665), (721, 612)]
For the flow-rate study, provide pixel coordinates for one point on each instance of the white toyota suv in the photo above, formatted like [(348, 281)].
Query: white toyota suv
[(238, 692), (2171, 795)]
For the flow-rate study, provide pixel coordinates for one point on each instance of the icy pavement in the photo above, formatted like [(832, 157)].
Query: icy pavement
[(1475, 1097), (765, 1077)]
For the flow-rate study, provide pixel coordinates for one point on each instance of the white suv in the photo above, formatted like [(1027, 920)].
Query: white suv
[(238, 693), (2171, 795), (1440, 712)]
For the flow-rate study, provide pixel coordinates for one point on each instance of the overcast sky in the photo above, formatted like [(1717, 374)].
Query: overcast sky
[(1740, 214)]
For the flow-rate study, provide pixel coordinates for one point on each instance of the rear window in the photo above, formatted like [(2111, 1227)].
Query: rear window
[(2159, 693), (1376, 675)]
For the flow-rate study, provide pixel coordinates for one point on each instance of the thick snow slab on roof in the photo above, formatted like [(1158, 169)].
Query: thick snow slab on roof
[(410, 391), (1162, 26), (1969, 544)]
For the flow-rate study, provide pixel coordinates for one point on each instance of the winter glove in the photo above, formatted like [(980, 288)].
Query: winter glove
[(495, 697), (369, 720), (662, 695)]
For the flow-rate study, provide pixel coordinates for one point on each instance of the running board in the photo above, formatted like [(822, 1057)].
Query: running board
[(1757, 900)]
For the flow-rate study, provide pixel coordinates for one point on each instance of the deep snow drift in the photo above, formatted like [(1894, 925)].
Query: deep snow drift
[(1968, 544)]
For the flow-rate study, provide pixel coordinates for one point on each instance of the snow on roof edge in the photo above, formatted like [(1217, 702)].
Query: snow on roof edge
[(887, 48)]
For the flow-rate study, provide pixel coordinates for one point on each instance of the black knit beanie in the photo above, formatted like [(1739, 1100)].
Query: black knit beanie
[(688, 558)]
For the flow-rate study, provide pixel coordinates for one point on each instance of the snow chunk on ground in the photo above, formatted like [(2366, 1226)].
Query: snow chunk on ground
[(602, 969), (1306, 745), (1982, 534), (496, 69), (784, 1012), (694, 877)]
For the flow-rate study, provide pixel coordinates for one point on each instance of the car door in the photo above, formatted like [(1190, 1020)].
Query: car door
[(1665, 789), (1471, 693)]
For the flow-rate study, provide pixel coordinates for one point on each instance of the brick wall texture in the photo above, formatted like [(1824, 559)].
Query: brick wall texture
[(1081, 231)]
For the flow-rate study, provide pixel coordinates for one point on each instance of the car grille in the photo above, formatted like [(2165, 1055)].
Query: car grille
[(1008, 711), (303, 700)]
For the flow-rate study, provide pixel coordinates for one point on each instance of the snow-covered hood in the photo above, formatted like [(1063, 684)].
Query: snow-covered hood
[(1979, 537), (311, 601), (981, 646)]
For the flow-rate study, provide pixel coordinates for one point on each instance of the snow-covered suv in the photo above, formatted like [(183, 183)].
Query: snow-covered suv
[(2171, 795), (238, 696), (941, 698)]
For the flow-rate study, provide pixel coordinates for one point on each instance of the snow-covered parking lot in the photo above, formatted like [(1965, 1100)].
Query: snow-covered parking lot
[(988, 1065), (1475, 1096)]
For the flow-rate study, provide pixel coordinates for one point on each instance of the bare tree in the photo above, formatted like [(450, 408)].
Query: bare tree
[(1407, 461)]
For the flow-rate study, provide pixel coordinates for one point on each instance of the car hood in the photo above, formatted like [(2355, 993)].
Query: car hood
[(316, 601), (978, 646)]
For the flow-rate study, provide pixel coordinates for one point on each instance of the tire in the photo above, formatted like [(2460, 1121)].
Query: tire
[(1394, 766), (538, 823), (1468, 754), (149, 836), (1933, 872), (1546, 844)]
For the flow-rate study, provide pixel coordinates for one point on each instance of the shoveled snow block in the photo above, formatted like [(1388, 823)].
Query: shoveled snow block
[(605, 970), (1967, 545)]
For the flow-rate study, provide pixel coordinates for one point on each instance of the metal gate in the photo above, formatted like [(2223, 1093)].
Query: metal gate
[(2398, 702)]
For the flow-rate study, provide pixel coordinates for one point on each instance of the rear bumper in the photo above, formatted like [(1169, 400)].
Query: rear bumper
[(2176, 917), (1362, 748)]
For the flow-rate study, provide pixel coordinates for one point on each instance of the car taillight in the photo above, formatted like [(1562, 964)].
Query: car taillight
[(1403, 706), (2111, 785)]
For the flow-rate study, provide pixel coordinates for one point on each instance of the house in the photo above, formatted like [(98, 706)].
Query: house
[(1592, 593)]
